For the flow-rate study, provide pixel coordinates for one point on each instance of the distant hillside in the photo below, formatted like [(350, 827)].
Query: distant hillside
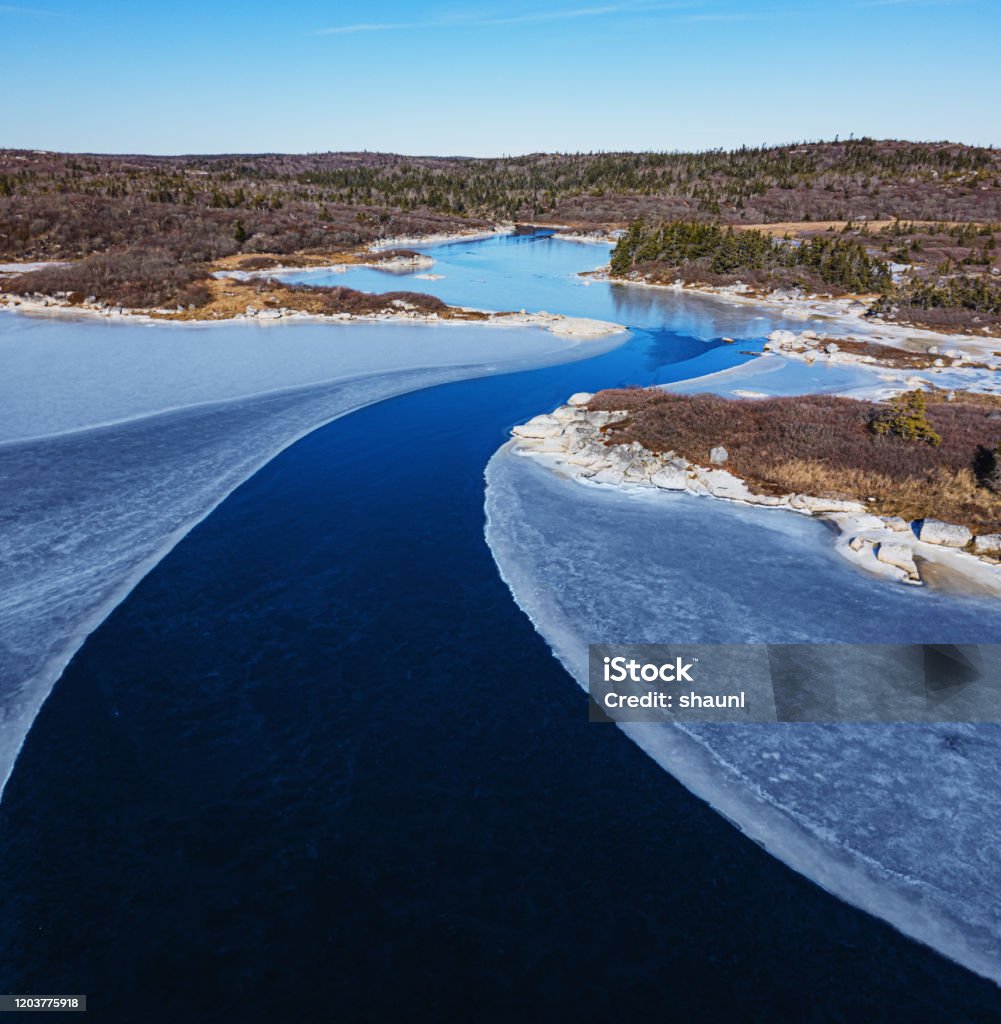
[(203, 207)]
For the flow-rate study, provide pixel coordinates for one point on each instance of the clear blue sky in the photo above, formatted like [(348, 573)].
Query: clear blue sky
[(493, 78)]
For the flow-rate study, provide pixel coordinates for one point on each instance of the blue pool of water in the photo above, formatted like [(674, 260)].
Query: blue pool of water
[(318, 765), (541, 272)]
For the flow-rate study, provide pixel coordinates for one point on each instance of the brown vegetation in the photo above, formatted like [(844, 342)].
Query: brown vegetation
[(826, 446), (152, 281), (347, 300), (271, 260), (60, 206), (888, 355), (202, 211), (943, 319), (229, 297), (138, 278)]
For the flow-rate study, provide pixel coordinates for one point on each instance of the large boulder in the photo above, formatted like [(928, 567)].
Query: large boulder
[(567, 413), (620, 456), (578, 434), (897, 524), (818, 506), (580, 398), (721, 484), (718, 455), (602, 417), (638, 471), (949, 535), (610, 475), (899, 555), (780, 339), (539, 427), (670, 479), (768, 500), (988, 544)]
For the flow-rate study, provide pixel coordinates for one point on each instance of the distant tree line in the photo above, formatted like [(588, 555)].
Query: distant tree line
[(54, 204), (959, 301), (161, 221), (966, 291), (838, 261)]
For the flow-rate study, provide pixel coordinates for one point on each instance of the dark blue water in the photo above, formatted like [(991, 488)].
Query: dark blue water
[(319, 766)]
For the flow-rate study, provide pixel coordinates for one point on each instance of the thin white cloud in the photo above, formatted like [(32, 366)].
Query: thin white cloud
[(720, 17), (344, 30), (908, 3), (13, 9), (534, 17), (522, 19)]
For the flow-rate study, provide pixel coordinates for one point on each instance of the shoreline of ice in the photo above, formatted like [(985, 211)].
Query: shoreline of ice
[(569, 442), (443, 237), (557, 323), (896, 820), (139, 443), (818, 309)]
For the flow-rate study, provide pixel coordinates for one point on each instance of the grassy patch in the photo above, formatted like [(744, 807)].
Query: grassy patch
[(827, 446)]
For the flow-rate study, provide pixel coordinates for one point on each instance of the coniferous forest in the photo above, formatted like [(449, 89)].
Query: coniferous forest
[(689, 248)]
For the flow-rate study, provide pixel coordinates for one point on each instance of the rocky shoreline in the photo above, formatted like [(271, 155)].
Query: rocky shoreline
[(402, 263), (443, 238), (931, 368), (813, 347), (78, 305), (555, 323), (570, 440), (801, 305)]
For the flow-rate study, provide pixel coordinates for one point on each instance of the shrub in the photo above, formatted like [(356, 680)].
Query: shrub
[(987, 467), (907, 417), (137, 278), (349, 300)]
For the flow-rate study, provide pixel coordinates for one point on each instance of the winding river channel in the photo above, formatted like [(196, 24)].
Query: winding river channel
[(318, 764)]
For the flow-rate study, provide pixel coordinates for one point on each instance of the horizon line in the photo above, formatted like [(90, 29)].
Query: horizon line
[(837, 140)]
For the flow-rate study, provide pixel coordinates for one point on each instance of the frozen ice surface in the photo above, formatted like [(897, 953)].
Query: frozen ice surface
[(116, 439), (777, 376), (58, 374), (900, 820)]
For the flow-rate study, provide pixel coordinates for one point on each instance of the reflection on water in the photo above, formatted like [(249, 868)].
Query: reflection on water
[(539, 272)]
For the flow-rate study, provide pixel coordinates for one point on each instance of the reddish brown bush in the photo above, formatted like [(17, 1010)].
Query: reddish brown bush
[(825, 445), (348, 300), (137, 278)]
